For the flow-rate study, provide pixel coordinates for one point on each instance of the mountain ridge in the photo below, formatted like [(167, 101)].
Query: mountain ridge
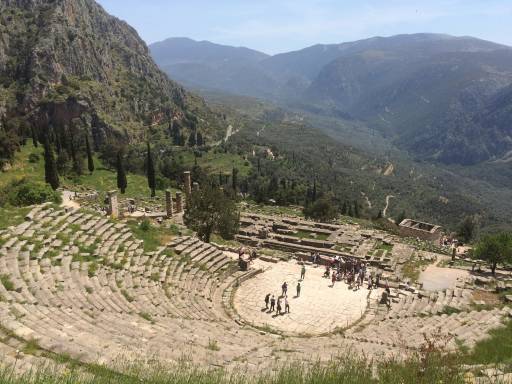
[(421, 90)]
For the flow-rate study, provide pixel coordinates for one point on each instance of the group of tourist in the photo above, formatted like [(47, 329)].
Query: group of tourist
[(272, 304), (353, 272)]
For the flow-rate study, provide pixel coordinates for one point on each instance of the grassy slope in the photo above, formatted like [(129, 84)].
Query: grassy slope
[(104, 179)]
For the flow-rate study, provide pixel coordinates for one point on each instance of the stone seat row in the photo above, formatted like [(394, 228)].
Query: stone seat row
[(466, 327), (435, 303)]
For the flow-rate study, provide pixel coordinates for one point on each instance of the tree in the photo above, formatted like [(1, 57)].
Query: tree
[(468, 228), (34, 136), (150, 171), (199, 139), (323, 210), (209, 209), (356, 209), (401, 217), (122, 182), (494, 249), (192, 139), (234, 179), (176, 134), (90, 161), (50, 169)]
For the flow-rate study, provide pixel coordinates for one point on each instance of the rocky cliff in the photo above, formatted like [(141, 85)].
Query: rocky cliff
[(68, 62)]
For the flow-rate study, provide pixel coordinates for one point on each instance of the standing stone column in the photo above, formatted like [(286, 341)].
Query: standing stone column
[(113, 204), (188, 186), (168, 203), (179, 202)]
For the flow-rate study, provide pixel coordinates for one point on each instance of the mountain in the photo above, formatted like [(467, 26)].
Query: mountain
[(423, 94), (430, 94), (202, 64), (68, 63)]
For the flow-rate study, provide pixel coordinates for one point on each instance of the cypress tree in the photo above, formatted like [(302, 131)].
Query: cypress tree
[(234, 179), (313, 197), (90, 161), (75, 156), (199, 139), (192, 139), (122, 183), (50, 169), (150, 171), (344, 209), (356, 209), (34, 136)]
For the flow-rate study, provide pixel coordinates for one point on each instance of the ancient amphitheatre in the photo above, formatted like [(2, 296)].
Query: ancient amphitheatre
[(80, 284)]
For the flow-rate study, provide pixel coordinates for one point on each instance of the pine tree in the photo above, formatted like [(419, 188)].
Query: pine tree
[(150, 171), (90, 161), (50, 169), (122, 183)]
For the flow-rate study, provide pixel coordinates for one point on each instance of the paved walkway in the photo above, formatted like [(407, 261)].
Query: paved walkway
[(319, 309)]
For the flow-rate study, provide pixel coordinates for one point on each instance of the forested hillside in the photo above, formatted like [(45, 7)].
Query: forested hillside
[(67, 68)]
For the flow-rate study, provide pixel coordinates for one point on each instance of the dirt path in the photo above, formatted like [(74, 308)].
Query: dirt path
[(368, 202), (67, 199), (385, 211)]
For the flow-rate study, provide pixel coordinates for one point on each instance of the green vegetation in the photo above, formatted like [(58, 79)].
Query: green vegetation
[(213, 345), (11, 216), (127, 296), (6, 282), (152, 236), (322, 209), (31, 347), (497, 349), (494, 249), (23, 192), (412, 268), (345, 370), (146, 316), (211, 209)]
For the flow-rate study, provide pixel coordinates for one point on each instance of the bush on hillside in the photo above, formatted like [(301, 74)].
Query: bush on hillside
[(322, 210), (22, 192), (33, 158)]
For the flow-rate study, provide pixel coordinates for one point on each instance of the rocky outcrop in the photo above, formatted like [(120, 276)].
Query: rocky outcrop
[(67, 59)]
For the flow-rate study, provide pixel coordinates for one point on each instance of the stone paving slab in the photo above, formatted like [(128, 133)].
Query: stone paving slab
[(319, 309)]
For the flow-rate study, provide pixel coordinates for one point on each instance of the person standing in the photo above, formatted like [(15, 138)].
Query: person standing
[(278, 306), (272, 303), (267, 299), (286, 305), (303, 272), (298, 289), (284, 288), (333, 278)]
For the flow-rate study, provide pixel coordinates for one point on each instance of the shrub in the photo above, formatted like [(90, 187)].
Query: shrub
[(145, 225), (33, 158), (22, 193)]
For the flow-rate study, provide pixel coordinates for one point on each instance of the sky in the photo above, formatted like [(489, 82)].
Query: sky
[(274, 26)]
